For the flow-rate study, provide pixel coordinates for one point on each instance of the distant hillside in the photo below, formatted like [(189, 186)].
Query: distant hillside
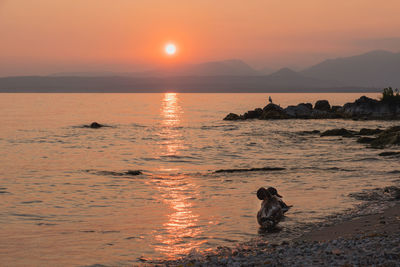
[(373, 69), (232, 67), (367, 72)]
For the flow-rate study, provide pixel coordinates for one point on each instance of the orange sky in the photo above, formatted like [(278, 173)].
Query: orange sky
[(46, 36)]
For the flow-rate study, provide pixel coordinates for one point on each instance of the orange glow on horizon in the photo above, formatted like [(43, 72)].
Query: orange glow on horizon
[(133, 34)]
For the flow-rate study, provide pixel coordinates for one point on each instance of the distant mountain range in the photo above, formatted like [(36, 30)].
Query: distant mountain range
[(367, 72)]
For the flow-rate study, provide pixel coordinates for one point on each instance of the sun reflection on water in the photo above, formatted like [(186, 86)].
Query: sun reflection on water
[(178, 235)]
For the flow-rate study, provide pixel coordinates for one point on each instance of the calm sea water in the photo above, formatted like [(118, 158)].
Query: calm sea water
[(59, 206)]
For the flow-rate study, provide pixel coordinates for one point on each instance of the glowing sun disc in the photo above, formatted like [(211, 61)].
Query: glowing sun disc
[(170, 49)]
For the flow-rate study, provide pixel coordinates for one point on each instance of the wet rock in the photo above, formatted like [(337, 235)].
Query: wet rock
[(94, 125), (365, 140), (250, 170), (133, 172), (389, 153), (253, 114), (273, 112), (232, 117), (309, 132), (338, 132), (366, 131), (368, 108), (322, 114), (336, 108), (322, 105), (363, 108), (387, 138), (301, 111), (393, 191)]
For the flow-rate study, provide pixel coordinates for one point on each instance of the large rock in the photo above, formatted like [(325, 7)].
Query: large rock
[(366, 131), (338, 132), (322, 114), (253, 114), (232, 117), (301, 111), (387, 138), (322, 105), (368, 108), (273, 112)]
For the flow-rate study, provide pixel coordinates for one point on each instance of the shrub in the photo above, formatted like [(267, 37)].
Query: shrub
[(388, 95)]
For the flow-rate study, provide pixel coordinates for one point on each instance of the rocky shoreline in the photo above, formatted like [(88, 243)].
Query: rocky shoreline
[(374, 138), (364, 108), (368, 235)]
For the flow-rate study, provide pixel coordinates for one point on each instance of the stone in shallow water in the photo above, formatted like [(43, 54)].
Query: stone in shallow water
[(338, 132), (232, 117)]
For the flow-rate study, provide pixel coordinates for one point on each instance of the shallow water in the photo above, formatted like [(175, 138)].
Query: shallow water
[(59, 206)]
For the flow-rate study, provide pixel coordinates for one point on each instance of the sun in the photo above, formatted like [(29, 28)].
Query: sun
[(170, 49)]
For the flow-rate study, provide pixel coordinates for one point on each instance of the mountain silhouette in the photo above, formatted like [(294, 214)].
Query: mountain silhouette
[(367, 72), (373, 69)]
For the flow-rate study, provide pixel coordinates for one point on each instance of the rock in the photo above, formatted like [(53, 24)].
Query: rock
[(363, 108), (388, 137), (368, 108), (321, 114), (338, 132), (336, 108), (231, 117), (365, 131), (94, 125), (322, 105), (393, 191), (365, 140), (253, 114), (309, 132), (389, 153), (133, 172), (301, 111), (273, 112)]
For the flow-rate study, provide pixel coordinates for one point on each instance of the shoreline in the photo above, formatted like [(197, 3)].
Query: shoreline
[(369, 234)]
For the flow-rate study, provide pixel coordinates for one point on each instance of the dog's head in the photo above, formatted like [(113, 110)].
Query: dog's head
[(263, 194)]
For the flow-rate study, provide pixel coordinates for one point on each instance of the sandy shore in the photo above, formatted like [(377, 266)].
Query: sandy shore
[(356, 240)]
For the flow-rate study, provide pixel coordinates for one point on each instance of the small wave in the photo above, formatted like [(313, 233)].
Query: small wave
[(250, 170), (3, 190), (366, 159)]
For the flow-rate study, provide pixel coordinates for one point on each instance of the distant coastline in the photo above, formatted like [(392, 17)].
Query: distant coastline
[(185, 84)]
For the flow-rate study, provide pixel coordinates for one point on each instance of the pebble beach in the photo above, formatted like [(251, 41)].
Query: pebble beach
[(368, 235)]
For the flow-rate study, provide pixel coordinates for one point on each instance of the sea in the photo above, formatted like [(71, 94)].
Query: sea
[(66, 198)]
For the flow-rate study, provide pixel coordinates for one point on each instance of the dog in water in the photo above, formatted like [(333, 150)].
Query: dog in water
[(272, 208)]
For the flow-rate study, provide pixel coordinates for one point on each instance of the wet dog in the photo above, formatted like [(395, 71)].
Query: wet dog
[(271, 211)]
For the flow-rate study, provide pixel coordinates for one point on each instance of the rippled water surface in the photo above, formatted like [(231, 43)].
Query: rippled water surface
[(63, 201)]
